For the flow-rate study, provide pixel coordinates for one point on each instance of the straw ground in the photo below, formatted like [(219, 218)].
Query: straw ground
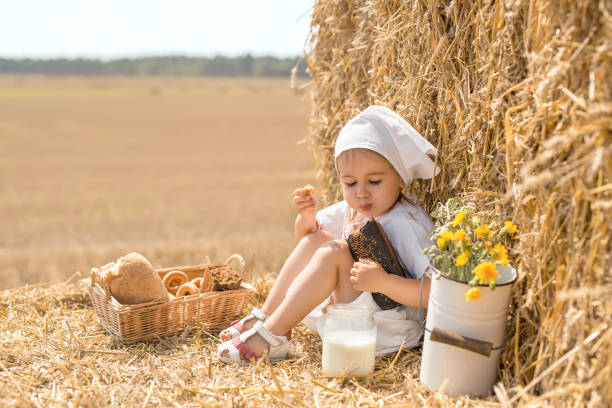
[(54, 353)]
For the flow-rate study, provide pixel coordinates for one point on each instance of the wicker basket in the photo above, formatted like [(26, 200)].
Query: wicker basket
[(212, 311)]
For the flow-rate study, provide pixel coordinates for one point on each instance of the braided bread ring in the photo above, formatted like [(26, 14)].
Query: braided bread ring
[(173, 280), (187, 289)]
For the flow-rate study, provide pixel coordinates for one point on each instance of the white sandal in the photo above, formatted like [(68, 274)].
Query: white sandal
[(237, 327), (240, 354)]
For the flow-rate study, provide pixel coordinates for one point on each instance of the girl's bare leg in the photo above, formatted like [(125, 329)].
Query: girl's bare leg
[(297, 261), (328, 271)]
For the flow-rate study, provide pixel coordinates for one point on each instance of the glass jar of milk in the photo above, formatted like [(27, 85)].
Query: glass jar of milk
[(349, 340)]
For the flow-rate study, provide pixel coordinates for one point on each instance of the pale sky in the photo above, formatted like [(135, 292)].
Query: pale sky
[(131, 28)]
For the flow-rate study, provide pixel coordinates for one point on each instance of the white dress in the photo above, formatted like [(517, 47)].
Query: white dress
[(407, 226)]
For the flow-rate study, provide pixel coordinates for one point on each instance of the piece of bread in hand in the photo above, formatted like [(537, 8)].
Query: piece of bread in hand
[(308, 189), (132, 279)]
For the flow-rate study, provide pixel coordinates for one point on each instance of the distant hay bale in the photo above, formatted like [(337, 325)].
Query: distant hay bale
[(517, 97)]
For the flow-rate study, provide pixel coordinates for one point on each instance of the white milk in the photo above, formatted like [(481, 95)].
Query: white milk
[(348, 353)]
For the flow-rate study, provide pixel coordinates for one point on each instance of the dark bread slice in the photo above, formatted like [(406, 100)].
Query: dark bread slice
[(371, 242)]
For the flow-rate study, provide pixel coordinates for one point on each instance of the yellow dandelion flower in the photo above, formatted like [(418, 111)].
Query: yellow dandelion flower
[(482, 230), (459, 218), (486, 273), (473, 294), (500, 253), (504, 261), (510, 227), (459, 235), (463, 258), (487, 244), (441, 242), (447, 235)]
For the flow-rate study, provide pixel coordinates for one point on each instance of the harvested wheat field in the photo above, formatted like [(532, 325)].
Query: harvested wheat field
[(176, 169)]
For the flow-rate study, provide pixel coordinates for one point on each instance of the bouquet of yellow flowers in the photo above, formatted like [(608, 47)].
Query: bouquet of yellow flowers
[(469, 244)]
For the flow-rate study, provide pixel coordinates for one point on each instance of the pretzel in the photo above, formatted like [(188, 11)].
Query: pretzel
[(187, 289), (173, 280)]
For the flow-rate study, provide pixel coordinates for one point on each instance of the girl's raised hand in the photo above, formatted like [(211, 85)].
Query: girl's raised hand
[(367, 276), (305, 202)]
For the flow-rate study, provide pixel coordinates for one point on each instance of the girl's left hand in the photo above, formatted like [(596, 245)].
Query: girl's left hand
[(367, 276)]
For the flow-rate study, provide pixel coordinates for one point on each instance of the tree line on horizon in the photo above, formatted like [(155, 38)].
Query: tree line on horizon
[(246, 65)]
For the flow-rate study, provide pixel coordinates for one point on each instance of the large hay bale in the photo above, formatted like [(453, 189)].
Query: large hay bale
[(517, 96)]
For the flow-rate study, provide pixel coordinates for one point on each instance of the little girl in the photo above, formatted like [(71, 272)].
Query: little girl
[(377, 154)]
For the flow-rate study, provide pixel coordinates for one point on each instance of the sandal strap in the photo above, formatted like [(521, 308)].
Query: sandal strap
[(237, 327), (259, 314), (271, 338), (244, 350)]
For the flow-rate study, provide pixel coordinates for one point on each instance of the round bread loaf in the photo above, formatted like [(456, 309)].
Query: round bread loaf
[(135, 281)]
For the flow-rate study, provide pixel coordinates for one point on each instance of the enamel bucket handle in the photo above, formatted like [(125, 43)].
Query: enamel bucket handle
[(457, 340)]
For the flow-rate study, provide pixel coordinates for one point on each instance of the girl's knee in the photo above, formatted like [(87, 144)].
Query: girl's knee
[(338, 245), (337, 249), (315, 240)]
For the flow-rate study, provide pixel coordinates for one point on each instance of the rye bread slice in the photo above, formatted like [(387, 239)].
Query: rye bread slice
[(371, 242)]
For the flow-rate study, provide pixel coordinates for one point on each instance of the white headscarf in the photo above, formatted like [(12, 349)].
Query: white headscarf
[(380, 129)]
